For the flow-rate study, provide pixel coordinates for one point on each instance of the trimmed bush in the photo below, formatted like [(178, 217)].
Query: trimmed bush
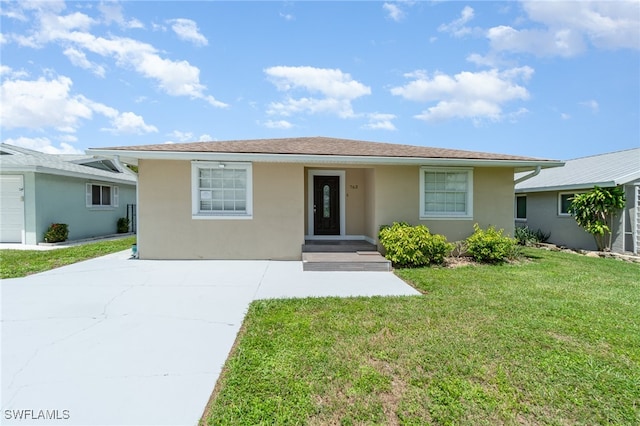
[(56, 233), (123, 225), (490, 246), (413, 246)]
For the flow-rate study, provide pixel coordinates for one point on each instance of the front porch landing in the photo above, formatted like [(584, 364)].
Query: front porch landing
[(342, 256)]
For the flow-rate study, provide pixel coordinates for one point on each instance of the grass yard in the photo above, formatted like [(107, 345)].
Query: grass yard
[(20, 263), (555, 340)]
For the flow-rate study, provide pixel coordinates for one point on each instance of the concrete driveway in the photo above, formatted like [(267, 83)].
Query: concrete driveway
[(113, 341)]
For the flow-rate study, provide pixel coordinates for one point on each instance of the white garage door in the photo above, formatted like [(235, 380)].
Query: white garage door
[(11, 209)]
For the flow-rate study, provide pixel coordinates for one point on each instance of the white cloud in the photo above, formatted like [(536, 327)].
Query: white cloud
[(562, 42), (79, 59), (394, 11), (592, 105), (187, 30), (336, 89), (8, 72), (280, 124), (112, 12), (569, 25), (67, 138), (176, 78), (379, 121), (181, 136), (565, 116), (42, 103), (43, 145), (490, 60), (478, 96), (129, 123), (287, 16), (458, 27)]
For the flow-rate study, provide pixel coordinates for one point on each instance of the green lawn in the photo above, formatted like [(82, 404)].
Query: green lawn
[(554, 340), (19, 263)]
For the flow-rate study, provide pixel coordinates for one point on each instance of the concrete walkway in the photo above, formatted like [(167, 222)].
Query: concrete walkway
[(113, 341)]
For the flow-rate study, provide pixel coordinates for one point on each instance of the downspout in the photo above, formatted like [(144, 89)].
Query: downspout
[(536, 172), (127, 170)]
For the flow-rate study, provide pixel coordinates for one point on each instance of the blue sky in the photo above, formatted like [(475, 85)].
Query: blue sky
[(546, 79)]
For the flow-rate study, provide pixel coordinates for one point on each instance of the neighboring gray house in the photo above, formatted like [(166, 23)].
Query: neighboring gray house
[(543, 200), (38, 189)]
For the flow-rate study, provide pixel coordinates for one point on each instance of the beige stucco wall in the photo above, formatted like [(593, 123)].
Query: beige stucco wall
[(168, 231), (355, 199), (375, 196), (397, 199)]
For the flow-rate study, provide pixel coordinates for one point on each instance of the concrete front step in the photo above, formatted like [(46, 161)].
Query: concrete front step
[(339, 261), (344, 246)]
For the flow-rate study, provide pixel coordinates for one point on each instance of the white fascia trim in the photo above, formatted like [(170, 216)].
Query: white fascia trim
[(320, 159), (626, 179), (567, 188), (50, 171)]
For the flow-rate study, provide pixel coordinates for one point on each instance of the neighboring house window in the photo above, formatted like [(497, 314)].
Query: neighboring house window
[(221, 190), (564, 202), (446, 193), (521, 207), (101, 195)]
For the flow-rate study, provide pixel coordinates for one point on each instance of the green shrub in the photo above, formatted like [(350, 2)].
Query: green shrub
[(542, 237), (56, 233), (123, 225), (491, 246), (526, 236), (413, 246)]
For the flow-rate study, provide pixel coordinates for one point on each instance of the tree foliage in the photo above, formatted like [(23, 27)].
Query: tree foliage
[(595, 210)]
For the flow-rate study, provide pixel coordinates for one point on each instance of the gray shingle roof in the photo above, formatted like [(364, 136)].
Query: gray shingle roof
[(604, 170), (20, 159), (318, 146)]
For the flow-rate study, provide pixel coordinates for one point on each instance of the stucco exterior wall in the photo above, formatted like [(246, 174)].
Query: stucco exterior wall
[(369, 204), (397, 199), (52, 198), (167, 229), (355, 199), (374, 196), (542, 213)]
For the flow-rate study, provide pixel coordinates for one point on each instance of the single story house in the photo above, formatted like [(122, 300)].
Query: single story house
[(39, 189), (261, 199), (542, 202)]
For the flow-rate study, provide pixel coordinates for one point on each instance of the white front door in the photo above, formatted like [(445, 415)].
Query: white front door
[(11, 209)]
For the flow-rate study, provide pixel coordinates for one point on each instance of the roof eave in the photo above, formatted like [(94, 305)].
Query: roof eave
[(67, 173), (572, 187), (132, 157)]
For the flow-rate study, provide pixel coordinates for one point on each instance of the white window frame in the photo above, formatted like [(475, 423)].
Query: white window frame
[(195, 190), (468, 215), (115, 196), (515, 209), (560, 194)]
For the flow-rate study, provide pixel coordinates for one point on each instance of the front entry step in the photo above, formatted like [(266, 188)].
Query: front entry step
[(332, 246), (339, 261)]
